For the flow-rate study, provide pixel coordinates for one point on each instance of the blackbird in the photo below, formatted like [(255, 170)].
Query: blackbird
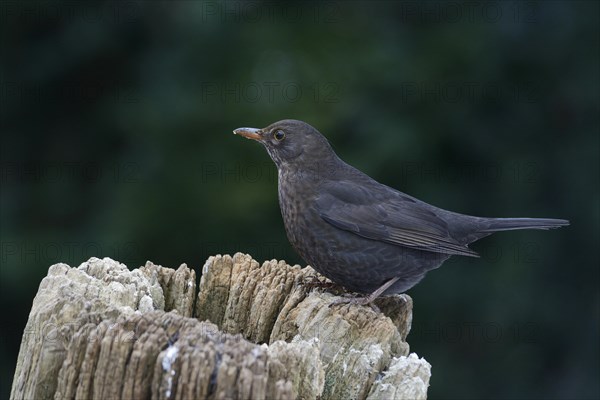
[(359, 233)]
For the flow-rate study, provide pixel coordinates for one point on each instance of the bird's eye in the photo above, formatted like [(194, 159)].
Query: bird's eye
[(279, 135)]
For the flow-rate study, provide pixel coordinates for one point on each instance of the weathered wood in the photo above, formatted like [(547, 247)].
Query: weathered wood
[(102, 331)]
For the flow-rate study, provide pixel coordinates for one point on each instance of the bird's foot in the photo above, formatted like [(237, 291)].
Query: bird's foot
[(359, 301), (367, 300)]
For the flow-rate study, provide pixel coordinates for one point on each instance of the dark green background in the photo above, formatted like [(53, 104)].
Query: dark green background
[(116, 141)]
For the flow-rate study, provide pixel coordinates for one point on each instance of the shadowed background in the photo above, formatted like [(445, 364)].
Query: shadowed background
[(116, 123)]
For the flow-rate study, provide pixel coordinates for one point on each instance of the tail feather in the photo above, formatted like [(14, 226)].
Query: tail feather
[(509, 224)]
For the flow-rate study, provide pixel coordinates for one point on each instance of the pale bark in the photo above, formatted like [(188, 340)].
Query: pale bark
[(253, 331)]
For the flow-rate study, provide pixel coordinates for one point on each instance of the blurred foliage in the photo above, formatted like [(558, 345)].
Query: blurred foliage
[(116, 125)]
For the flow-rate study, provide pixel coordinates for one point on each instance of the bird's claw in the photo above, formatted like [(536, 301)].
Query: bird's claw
[(359, 301)]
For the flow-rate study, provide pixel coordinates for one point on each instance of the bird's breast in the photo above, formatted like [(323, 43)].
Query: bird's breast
[(297, 195)]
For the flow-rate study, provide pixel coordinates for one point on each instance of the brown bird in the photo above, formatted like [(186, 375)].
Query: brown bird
[(360, 233)]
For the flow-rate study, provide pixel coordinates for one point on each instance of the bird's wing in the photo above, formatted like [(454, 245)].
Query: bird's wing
[(386, 215)]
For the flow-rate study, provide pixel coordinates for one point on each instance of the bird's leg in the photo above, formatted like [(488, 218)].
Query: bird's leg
[(380, 291), (367, 300)]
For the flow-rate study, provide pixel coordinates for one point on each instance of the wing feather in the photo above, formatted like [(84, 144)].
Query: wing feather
[(387, 216)]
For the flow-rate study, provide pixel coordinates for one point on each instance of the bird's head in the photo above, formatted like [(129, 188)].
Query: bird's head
[(291, 143)]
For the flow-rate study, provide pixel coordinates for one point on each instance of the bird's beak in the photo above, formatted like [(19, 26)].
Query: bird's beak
[(249, 133)]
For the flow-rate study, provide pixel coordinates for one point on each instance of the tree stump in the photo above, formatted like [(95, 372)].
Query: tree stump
[(253, 332)]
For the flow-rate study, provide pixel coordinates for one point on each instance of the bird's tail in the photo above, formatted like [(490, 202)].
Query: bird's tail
[(509, 224)]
